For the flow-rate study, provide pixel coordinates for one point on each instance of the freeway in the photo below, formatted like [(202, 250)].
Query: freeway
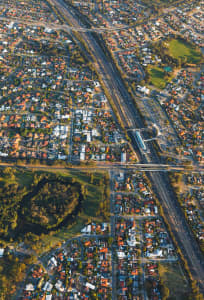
[(131, 119)]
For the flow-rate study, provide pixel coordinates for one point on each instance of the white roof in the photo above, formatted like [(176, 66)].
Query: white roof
[(29, 287), (86, 229), (1, 249), (157, 253), (82, 156), (10, 26), (121, 254), (90, 286), (48, 286), (59, 286), (123, 157), (53, 261)]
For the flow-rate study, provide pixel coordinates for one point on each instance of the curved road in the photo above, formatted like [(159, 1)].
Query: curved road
[(131, 119)]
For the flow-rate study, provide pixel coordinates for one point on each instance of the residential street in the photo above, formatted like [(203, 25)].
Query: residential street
[(131, 119)]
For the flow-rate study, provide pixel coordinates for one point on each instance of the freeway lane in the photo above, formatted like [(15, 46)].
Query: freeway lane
[(131, 119), (180, 228), (107, 71)]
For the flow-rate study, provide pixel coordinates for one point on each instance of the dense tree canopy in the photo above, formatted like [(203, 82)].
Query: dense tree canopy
[(47, 202)]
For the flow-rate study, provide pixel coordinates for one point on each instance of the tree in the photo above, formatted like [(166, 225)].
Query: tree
[(92, 178), (110, 241), (165, 292)]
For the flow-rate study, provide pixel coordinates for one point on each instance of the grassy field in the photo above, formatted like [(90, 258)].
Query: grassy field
[(185, 51), (94, 190), (89, 213), (24, 178), (174, 279), (95, 206), (178, 49), (157, 77)]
